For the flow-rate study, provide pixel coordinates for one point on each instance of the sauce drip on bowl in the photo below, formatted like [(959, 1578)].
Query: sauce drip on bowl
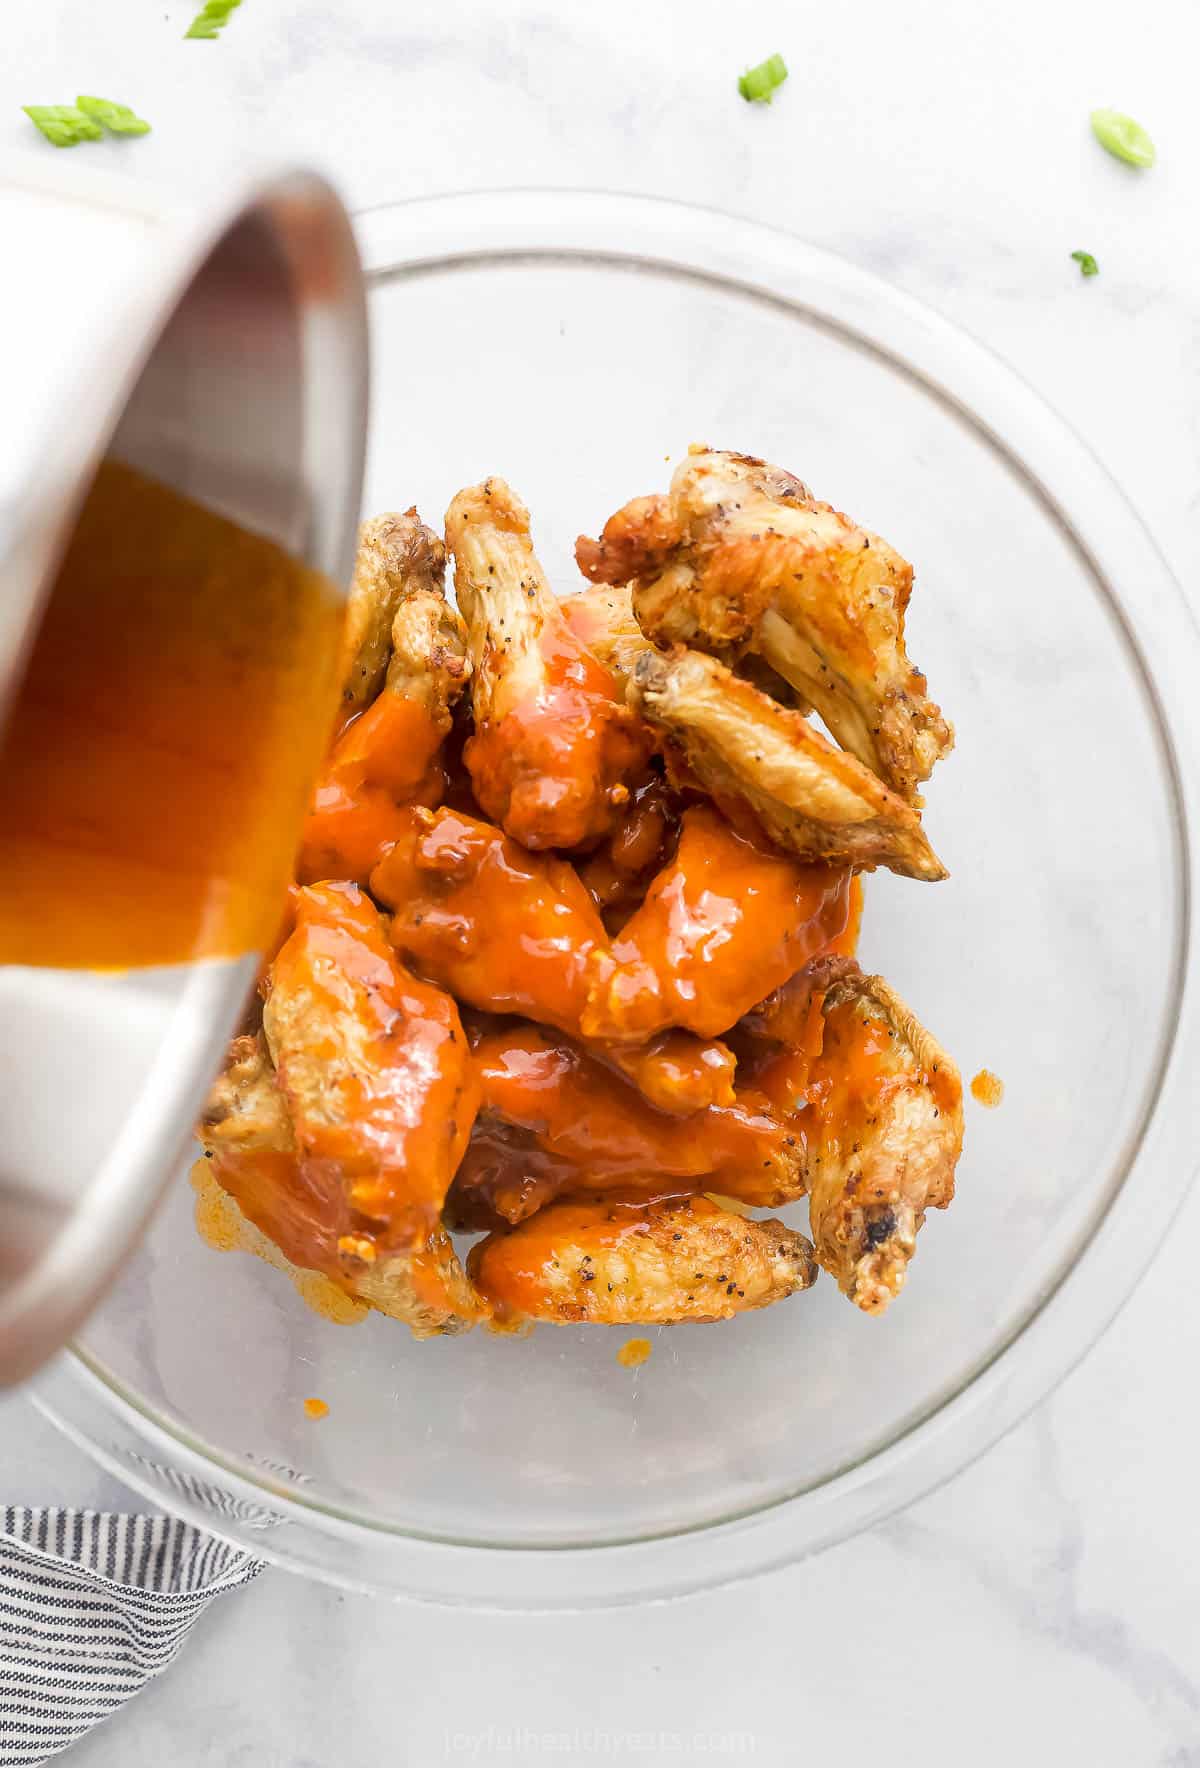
[(159, 753)]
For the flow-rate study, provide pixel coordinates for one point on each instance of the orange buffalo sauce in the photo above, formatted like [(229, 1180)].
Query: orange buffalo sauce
[(159, 754), (634, 1352), (987, 1089), (221, 1225), (385, 759)]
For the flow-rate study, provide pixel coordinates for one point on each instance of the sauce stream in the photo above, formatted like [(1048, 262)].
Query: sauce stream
[(159, 753)]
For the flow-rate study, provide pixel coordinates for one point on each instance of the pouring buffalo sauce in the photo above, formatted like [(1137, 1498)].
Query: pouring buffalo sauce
[(158, 756)]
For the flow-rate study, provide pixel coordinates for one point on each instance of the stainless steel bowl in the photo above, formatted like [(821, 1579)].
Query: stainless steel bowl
[(220, 346)]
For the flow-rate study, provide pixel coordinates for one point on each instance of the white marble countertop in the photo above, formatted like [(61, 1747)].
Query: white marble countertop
[(1045, 1602)]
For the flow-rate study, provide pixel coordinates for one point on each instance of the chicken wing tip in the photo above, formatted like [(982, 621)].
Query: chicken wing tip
[(493, 501)]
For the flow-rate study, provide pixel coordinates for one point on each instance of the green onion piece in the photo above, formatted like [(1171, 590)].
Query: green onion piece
[(116, 117), (1087, 264), (1123, 138), (759, 85), (63, 124), (212, 15)]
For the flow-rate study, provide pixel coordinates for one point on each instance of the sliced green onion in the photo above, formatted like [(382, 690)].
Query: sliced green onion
[(1087, 264), (1123, 138), (63, 124), (116, 117), (212, 15), (759, 85)]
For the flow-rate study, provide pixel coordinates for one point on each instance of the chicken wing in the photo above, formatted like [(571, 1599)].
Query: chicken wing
[(374, 1067), (303, 1210), (554, 746), (638, 1263), (427, 1289), (504, 1177), (721, 926), (397, 556), (675, 1072), (618, 871), (788, 1014), (245, 1112), (753, 755), (505, 930), (599, 1132), (883, 1132), (603, 619), (741, 559), (387, 757), (511, 932)]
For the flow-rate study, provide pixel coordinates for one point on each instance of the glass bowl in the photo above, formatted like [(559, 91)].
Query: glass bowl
[(573, 343)]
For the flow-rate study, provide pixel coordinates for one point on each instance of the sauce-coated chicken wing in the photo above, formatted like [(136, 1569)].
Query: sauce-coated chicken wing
[(304, 1211), (637, 1263), (883, 1133), (788, 1014), (374, 1067), (599, 1132), (554, 746), (754, 755), (386, 758), (740, 559), (724, 923), (674, 1071), (509, 931), (619, 870), (505, 930)]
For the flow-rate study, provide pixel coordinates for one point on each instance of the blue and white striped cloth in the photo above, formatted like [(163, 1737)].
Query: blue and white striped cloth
[(92, 1605)]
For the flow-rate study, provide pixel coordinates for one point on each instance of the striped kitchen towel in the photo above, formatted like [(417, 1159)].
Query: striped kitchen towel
[(92, 1605)]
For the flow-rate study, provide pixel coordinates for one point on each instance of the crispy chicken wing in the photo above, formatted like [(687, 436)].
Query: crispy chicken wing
[(428, 666), (428, 1289), (637, 1263), (397, 555), (599, 1132), (741, 559), (724, 923), (883, 1130), (245, 1112), (602, 618), (554, 746), (304, 1211), (753, 755), (387, 757), (374, 1067)]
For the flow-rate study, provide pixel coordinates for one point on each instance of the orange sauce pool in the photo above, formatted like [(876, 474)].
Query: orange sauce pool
[(315, 1408), (157, 760)]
